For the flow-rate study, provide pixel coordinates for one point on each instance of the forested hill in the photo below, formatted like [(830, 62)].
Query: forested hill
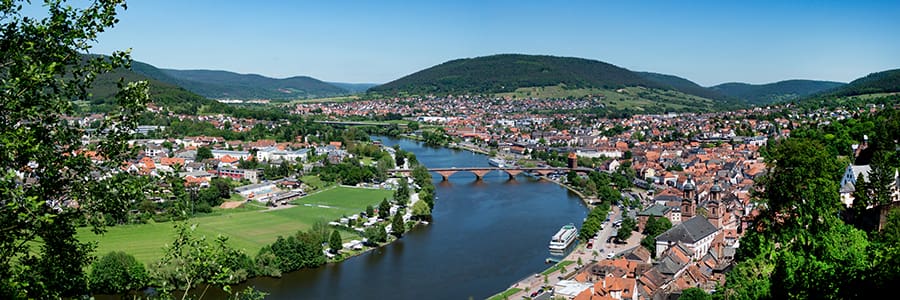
[(683, 85), (230, 85), (353, 87), (881, 82), (162, 94), (762, 94), (507, 72)]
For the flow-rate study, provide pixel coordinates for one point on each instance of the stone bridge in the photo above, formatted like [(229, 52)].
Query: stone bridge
[(481, 171)]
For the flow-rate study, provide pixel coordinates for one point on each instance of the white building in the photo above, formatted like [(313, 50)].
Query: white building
[(217, 154), (848, 181), (697, 233), (273, 153)]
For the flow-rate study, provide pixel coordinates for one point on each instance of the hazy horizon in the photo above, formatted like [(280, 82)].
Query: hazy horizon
[(707, 42)]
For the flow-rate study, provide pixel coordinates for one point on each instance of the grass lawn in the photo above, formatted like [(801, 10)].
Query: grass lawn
[(505, 294), (248, 229), (558, 266), (313, 181)]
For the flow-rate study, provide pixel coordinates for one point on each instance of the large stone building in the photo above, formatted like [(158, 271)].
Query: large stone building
[(696, 233)]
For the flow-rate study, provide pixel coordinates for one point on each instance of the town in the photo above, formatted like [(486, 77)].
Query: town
[(696, 171), (464, 150)]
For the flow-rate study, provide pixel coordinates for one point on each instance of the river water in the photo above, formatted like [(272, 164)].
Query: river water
[(486, 235)]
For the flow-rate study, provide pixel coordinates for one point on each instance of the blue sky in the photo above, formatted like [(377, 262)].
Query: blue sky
[(709, 42)]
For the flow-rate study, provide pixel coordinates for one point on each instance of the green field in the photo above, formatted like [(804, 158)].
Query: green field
[(314, 181), (248, 229)]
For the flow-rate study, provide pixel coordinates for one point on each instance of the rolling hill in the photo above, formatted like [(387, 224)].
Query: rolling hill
[(230, 85), (683, 85), (504, 73), (761, 94), (353, 87), (163, 94), (880, 82)]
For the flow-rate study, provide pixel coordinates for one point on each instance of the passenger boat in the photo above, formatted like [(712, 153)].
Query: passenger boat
[(497, 162), (563, 238)]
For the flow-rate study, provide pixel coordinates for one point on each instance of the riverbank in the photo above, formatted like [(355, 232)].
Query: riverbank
[(247, 229), (470, 149), (480, 227), (347, 254), (588, 201)]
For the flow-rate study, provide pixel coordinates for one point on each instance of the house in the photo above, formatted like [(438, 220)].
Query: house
[(569, 289), (696, 233), (655, 210), (238, 174), (611, 287)]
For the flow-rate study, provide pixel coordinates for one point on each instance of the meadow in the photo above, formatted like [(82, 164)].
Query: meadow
[(248, 229)]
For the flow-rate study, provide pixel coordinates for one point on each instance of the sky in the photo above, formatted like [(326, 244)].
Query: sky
[(708, 42)]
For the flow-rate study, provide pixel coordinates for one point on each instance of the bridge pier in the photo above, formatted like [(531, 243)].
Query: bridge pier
[(512, 173), (445, 175), (479, 174), (545, 172)]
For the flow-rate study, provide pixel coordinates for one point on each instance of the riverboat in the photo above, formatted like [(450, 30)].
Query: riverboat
[(563, 238), (497, 162)]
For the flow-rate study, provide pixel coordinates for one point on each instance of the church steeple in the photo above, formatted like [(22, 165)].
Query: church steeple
[(716, 190), (687, 202)]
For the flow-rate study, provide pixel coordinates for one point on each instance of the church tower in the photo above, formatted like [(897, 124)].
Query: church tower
[(687, 202), (713, 206)]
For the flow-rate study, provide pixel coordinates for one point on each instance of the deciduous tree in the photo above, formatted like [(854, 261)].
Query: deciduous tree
[(117, 272), (203, 153), (335, 242), (398, 227), (48, 182)]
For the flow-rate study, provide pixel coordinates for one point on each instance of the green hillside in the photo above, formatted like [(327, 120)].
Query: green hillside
[(683, 85), (230, 85), (507, 72), (881, 82), (761, 94), (353, 87), (162, 94)]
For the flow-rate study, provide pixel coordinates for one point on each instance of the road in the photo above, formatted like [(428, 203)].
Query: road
[(600, 247)]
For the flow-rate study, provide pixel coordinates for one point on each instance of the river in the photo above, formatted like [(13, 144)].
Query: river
[(486, 235)]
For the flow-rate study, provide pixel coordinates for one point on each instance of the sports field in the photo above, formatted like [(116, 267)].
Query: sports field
[(249, 230)]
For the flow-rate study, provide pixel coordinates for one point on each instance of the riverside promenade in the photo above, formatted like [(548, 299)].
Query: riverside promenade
[(601, 249)]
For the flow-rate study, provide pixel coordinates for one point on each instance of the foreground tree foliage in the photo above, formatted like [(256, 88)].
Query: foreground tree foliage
[(799, 247), (47, 184), (117, 273), (191, 261), (303, 250), (694, 294)]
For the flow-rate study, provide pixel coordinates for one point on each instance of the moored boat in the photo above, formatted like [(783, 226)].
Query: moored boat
[(497, 162), (563, 238)]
